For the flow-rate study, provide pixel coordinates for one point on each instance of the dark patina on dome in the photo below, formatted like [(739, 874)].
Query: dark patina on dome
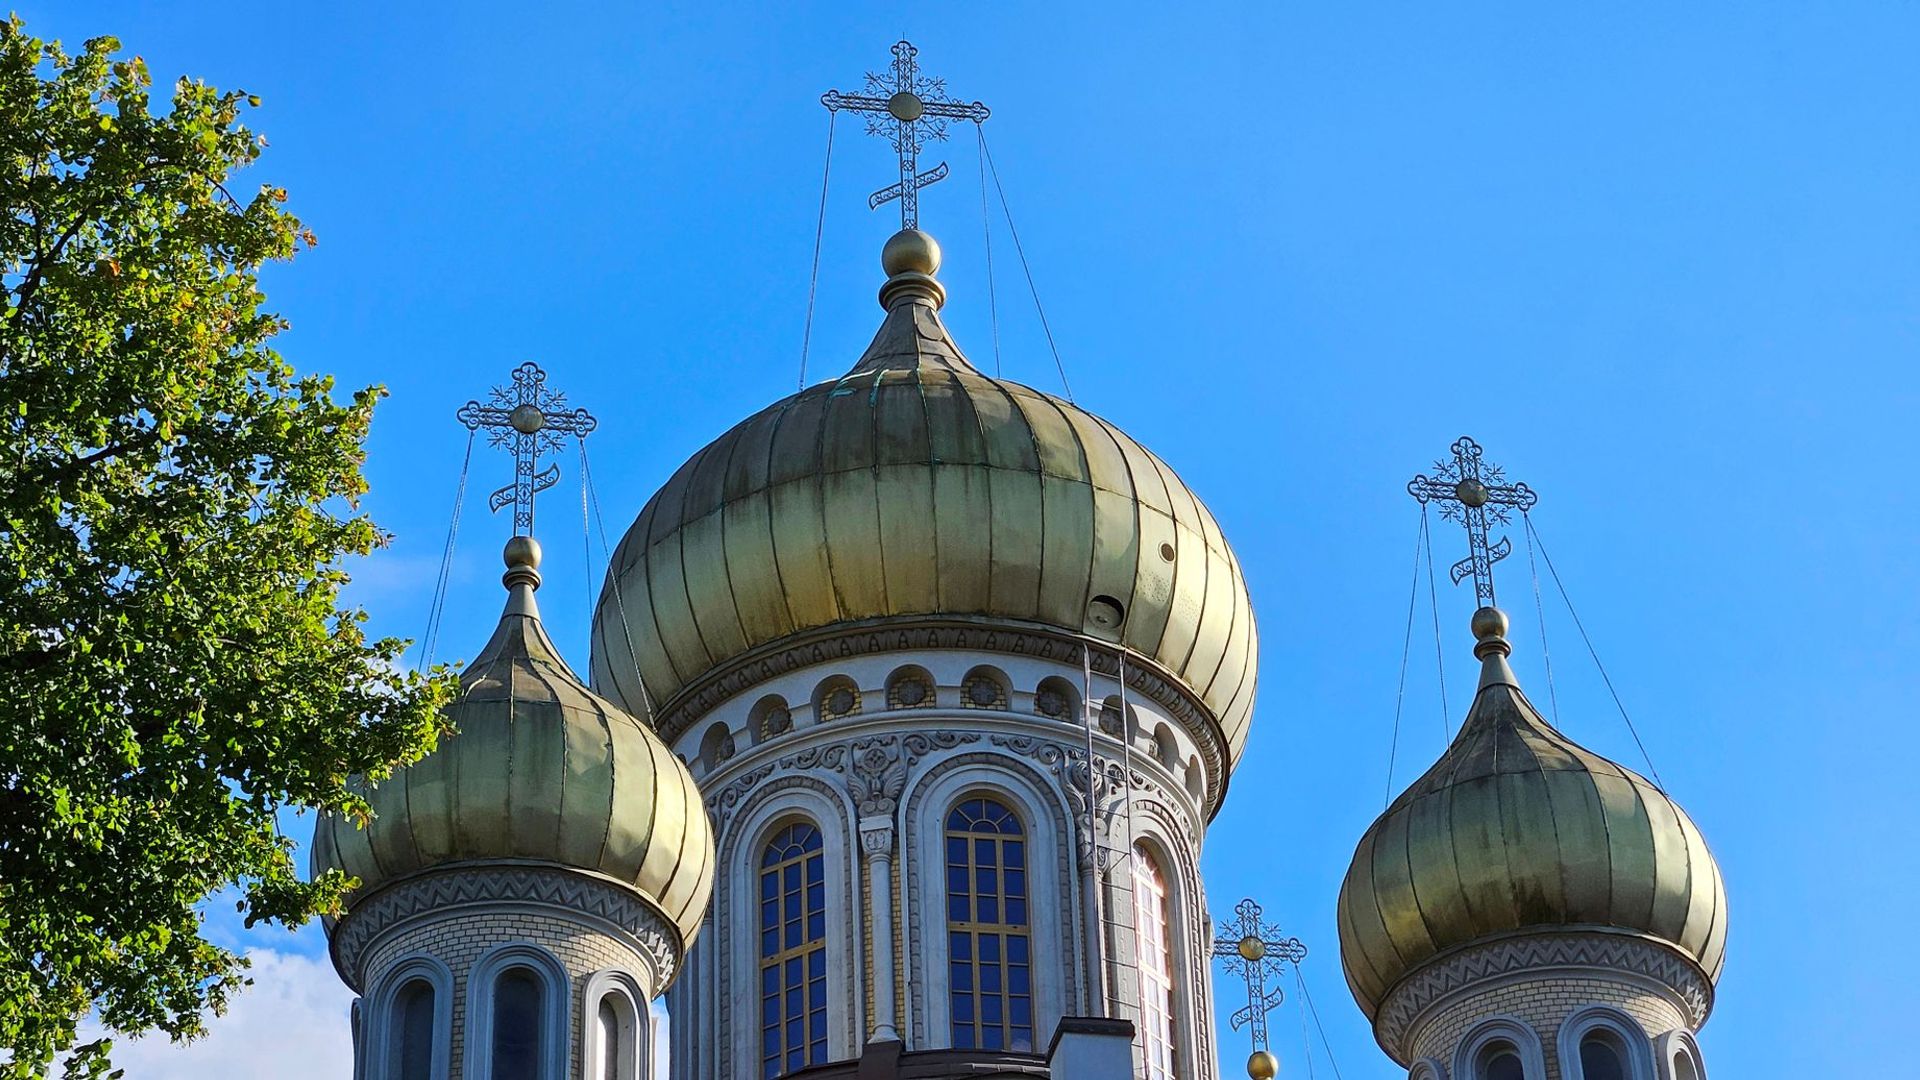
[(915, 488), (1518, 828)]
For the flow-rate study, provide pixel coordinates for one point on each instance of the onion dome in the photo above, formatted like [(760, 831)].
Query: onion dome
[(1519, 829), (915, 489), (539, 769)]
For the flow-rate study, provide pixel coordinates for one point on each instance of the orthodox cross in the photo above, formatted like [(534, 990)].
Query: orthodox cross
[(1252, 949), (528, 419), (911, 110), (1472, 492)]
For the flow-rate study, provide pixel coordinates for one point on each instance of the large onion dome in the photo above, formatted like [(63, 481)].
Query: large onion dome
[(911, 489), (1517, 828), (540, 769)]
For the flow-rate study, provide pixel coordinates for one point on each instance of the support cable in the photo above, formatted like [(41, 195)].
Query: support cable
[(613, 580), (819, 230), (1439, 651), (1301, 979), (1540, 616), (986, 229), (1406, 650), (1025, 268), (1591, 651), (1306, 1043), (437, 606)]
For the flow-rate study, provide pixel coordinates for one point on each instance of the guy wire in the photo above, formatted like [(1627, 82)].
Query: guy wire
[(986, 229), (819, 230), (1547, 557), (437, 605), (1021, 250), (1406, 650), (1540, 615), (613, 580), (1439, 651)]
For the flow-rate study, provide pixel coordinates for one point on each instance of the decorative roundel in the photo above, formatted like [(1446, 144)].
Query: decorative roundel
[(911, 692), (983, 693), (840, 702), (1050, 703)]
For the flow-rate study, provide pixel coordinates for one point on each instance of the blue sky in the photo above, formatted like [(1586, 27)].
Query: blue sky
[(1659, 259)]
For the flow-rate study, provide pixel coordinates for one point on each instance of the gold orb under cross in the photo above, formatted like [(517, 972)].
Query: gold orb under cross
[(906, 106), (1471, 492), (1252, 949), (527, 419), (1263, 1066)]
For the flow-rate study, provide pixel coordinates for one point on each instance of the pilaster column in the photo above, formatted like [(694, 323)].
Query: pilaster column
[(876, 845)]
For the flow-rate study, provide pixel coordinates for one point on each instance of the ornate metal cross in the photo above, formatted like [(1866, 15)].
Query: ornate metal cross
[(911, 110), (1473, 492), (1252, 948), (528, 419)]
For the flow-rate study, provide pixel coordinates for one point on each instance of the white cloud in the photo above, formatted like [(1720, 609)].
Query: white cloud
[(291, 1024)]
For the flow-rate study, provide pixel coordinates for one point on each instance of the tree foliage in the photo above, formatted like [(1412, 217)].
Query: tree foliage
[(175, 502)]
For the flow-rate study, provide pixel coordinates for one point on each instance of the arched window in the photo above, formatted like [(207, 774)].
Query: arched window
[(1600, 1058), (990, 977), (1501, 1061), (410, 1047), (1155, 938), (1683, 1067), (793, 951), (517, 1012)]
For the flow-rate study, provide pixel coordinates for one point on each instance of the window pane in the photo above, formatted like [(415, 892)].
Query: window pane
[(1600, 1061), (987, 949), (413, 1025), (516, 1025), (793, 961), (1155, 957), (1505, 1065)]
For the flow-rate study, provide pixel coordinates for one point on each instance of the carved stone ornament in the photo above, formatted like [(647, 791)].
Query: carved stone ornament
[(1145, 678), (877, 777), (1541, 952), (484, 884)]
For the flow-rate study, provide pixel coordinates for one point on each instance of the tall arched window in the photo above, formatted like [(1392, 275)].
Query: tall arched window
[(1155, 939), (793, 951), (410, 1048), (517, 1012), (990, 977)]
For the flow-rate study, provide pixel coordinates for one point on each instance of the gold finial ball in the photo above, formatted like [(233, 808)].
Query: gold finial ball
[(523, 551), (1263, 1065), (1472, 492), (906, 105), (910, 251), (1489, 623), (527, 419), (1252, 948)]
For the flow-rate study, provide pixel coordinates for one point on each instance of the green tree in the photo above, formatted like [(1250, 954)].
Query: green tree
[(175, 505)]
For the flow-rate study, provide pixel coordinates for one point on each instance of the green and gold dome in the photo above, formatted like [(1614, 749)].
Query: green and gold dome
[(1518, 829), (913, 490), (540, 771)]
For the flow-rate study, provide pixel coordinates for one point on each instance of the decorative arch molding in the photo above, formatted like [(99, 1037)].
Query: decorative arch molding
[(635, 1054), (1427, 1069), (556, 1000), (1508, 1029), (775, 804), (380, 1034), (1051, 893), (1680, 1056), (1631, 1040)]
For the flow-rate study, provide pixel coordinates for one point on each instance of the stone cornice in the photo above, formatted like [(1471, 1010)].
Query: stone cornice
[(1596, 950), (907, 633), (461, 885)]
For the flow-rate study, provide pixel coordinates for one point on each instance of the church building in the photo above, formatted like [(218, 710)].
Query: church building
[(909, 702)]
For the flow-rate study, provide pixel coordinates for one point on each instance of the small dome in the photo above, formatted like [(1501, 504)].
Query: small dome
[(539, 769), (1519, 828), (915, 487)]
